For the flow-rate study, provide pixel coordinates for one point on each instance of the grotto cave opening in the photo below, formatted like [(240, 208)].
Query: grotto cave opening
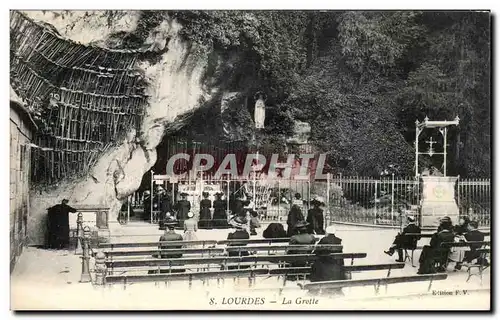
[(210, 131)]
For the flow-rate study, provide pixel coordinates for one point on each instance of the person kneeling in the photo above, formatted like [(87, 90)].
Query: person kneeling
[(405, 241)]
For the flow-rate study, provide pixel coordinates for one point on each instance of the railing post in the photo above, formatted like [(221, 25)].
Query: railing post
[(79, 233), (392, 199), (100, 268), (85, 277), (329, 212), (375, 202), (279, 199)]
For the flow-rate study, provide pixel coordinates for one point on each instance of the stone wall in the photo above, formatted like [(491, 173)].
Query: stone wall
[(20, 138)]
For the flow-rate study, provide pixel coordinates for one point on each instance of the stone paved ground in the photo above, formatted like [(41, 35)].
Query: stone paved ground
[(48, 279)]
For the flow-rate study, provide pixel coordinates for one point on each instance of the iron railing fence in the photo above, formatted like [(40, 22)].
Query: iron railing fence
[(367, 200)]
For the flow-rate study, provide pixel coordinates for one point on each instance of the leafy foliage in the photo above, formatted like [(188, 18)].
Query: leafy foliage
[(361, 79)]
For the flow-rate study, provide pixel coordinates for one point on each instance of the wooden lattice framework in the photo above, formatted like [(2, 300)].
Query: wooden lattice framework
[(87, 96)]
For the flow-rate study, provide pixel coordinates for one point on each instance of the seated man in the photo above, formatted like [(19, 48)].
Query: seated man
[(472, 235), (169, 235), (404, 241), (434, 252), (326, 268)]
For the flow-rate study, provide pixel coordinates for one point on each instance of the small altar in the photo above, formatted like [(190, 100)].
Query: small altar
[(438, 200)]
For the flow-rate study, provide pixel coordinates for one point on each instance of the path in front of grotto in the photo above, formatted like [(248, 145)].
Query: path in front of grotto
[(49, 279)]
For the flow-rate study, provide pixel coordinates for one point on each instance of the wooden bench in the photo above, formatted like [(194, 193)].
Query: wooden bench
[(305, 271), (202, 243), (177, 267), (214, 251), (112, 246), (465, 244), (189, 276), (429, 235), (223, 261), (409, 257), (286, 247), (255, 241), (376, 282)]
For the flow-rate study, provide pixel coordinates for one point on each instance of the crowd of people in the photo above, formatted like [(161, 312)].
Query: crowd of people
[(302, 232), (434, 257), (300, 229)]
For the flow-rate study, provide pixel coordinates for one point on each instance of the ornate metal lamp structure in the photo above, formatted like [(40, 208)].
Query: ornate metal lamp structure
[(443, 129)]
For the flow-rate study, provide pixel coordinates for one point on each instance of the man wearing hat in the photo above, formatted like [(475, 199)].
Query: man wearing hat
[(58, 225), (205, 215), (220, 217), (182, 207), (326, 267), (404, 241), (315, 217), (171, 235)]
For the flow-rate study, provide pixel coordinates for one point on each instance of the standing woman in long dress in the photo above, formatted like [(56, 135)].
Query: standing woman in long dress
[(220, 216), (190, 228), (182, 207), (205, 214)]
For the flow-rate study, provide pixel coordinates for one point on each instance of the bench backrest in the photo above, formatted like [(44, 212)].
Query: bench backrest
[(376, 281), (203, 243), (285, 247), (354, 268), (465, 244), (226, 260), (203, 275), (220, 250), (133, 253), (429, 235), (255, 241)]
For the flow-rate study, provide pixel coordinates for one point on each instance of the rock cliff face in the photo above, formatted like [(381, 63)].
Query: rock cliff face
[(174, 88)]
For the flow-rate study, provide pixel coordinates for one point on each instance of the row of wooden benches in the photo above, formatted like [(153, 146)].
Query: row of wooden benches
[(166, 269), (208, 243), (284, 272)]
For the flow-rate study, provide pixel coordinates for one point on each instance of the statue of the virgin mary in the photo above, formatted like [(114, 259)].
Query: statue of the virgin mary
[(260, 110)]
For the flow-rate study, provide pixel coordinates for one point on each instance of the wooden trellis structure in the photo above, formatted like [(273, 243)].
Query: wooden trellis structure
[(89, 96)]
